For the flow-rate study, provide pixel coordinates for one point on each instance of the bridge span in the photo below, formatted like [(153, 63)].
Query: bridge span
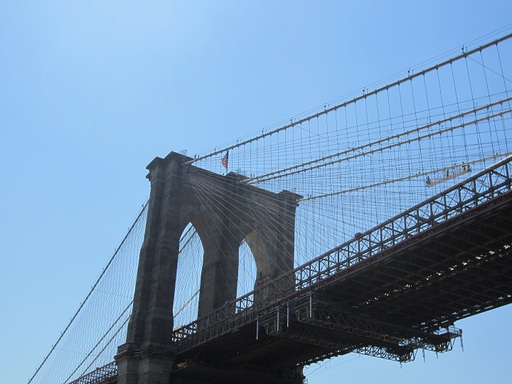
[(388, 292), (393, 158)]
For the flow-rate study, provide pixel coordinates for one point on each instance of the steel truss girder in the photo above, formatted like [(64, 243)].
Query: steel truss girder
[(336, 344), (340, 333), (104, 375), (380, 331), (462, 278), (398, 234), (470, 262)]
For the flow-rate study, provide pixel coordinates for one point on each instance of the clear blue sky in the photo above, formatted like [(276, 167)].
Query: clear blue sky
[(91, 91)]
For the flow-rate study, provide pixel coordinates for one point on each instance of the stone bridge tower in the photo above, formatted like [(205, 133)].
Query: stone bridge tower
[(179, 191)]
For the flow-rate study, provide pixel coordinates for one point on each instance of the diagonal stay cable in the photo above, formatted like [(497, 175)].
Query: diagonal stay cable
[(99, 342), (409, 177), (317, 163), (399, 143), (354, 100), (90, 292)]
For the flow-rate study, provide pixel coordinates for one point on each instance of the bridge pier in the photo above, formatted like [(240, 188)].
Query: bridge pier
[(183, 194)]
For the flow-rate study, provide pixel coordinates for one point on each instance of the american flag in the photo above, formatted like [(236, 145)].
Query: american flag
[(224, 160)]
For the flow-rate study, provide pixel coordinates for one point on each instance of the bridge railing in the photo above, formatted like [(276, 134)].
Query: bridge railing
[(474, 191), (105, 374)]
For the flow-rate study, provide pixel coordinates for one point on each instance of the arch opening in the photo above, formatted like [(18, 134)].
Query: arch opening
[(188, 277), (247, 270)]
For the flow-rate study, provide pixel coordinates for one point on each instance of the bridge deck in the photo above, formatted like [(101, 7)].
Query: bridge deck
[(388, 305), (458, 268), (388, 292)]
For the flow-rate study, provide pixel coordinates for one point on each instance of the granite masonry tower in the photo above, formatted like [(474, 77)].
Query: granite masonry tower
[(182, 194)]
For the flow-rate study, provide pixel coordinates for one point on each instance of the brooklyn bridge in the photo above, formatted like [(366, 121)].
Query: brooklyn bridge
[(370, 226)]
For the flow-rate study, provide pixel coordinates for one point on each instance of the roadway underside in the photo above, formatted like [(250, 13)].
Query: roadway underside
[(403, 299)]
